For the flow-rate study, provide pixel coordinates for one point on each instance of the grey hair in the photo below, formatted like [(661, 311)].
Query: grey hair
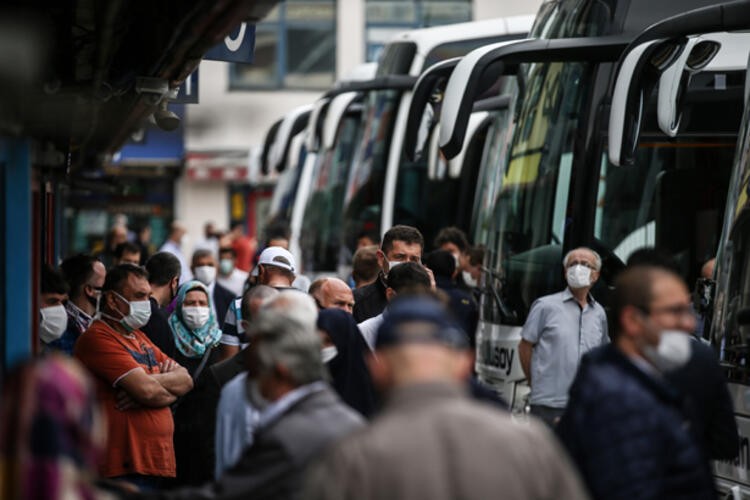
[(597, 258), (286, 334)]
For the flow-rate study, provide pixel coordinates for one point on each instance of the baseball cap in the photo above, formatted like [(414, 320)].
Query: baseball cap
[(276, 256), (419, 319)]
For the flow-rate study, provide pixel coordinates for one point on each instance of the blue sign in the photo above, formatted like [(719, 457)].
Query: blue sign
[(238, 46), (188, 93)]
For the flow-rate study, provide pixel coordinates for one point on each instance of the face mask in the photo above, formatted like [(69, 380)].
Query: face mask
[(328, 353), (673, 351), (95, 300), (226, 266), (393, 263), (53, 324), (140, 313), (469, 279), (195, 317), (578, 276), (205, 274), (255, 397)]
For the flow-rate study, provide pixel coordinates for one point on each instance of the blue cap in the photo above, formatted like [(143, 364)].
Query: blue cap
[(419, 319)]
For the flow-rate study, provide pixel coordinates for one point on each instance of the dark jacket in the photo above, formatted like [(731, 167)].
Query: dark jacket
[(462, 305), (158, 331), (273, 466), (705, 389), (223, 298), (628, 434), (370, 300)]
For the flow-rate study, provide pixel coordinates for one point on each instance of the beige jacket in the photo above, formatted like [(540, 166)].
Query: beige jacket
[(433, 442)]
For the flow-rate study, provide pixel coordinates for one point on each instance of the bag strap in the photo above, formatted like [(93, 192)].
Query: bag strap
[(195, 376)]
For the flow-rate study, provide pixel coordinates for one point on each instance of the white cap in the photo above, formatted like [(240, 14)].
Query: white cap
[(277, 256)]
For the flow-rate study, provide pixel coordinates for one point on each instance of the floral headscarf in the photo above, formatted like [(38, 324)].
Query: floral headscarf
[(193, 343), (52, 432)]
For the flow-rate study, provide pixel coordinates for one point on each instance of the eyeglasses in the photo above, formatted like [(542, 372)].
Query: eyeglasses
[(581, 263)]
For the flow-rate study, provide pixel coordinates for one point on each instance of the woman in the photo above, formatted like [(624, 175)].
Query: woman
[(196, 336), (194, 327), (343, 352)]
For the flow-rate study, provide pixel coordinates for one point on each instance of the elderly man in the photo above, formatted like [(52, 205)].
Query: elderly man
[(204, 270), (431, 440), (299, 415), (332, 292), (136, 382), (175, 245), (560, 329), (624, 425)]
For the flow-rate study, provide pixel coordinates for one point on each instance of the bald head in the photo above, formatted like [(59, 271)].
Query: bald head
[(334, 293), (707, 271)]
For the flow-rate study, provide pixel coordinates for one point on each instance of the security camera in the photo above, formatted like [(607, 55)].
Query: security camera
[(166, 119)]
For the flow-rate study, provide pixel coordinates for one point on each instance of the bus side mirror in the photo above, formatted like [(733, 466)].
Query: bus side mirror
[(743, 317)]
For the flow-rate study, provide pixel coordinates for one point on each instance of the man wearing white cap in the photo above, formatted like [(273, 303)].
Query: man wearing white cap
[(276, 268)]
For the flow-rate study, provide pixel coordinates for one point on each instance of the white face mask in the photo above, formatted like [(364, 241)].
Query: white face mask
[(140, 313), (53, 324), (226, 266), (195, 316), (673, 351), (469, 279), (205, 274), (393, 263), (578, 276), (328, 353)]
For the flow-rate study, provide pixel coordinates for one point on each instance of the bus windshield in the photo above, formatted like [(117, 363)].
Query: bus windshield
[(491, 173), (364, 188), (320, 239), (526, 221), (672, 199)]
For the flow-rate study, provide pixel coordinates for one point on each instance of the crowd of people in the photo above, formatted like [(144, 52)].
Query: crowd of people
[(222, 379)]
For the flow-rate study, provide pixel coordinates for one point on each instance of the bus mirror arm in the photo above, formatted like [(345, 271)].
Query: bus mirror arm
[(492, 290)]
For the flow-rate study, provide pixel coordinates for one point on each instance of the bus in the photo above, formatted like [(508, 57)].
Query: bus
[(369, 198), (554, 187)]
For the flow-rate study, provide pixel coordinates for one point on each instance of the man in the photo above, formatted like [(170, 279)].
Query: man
[(453, 240), (431, 440), (53, 319), (117, 234), (174, 245), (560, 329), (230, 277), (365, 267), (236, 417), (300, 414), (164, 271), (276, 268), (233, 331), (204, 270), (332, 292), (136, 382), (461, 303), (127, 253), (244, 247), (409, 276), (624, 425), (210, 239), (400, 244), (85, 277)]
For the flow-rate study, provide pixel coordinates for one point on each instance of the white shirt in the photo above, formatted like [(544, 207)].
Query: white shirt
[(235, 282), (369, 329)]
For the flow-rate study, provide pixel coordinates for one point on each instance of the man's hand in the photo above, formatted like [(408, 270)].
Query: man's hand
[(168, 365), (124, 401), (433, 284)]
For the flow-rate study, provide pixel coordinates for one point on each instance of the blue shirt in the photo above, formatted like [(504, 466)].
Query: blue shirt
[(562, 332), (236, 421)]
